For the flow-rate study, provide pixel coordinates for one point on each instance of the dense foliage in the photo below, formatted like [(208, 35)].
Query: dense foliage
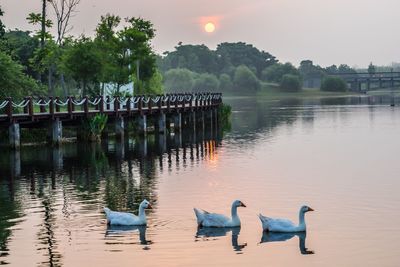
[(2, 27), (120, 54), (275, 72), (178, 80), (13, 81), (290, 83), (227, 56), (333, 84), (206, 82), (245, 78)]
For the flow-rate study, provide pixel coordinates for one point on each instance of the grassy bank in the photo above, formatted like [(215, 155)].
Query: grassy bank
[(274, 92)]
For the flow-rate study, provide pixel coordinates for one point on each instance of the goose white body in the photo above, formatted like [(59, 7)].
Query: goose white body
[(126, 218), (283, 225), (207, 219)]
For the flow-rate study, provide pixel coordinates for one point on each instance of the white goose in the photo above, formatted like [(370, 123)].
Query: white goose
[(283, 225), (207, 219), (125, 218)]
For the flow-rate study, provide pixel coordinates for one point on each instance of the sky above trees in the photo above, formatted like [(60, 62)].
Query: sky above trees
[(328, 32)]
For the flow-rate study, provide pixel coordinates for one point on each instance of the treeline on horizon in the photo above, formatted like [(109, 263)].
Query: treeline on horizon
[(120, 53), (243, 69)]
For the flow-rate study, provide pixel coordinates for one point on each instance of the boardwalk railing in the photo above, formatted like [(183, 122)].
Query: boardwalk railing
[(55, 107), (52, 112)]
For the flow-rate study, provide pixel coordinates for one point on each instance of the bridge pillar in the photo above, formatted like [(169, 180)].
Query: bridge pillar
[(178, 139), (162, 143), (211, 117), (15, 163), (119, 128), (120, 150), (142, 146), (14, 135), (161, 123), (192, 120), (215, 117), (55, 132), (177, 122), (57, 158), (202, 119), (142, 124)]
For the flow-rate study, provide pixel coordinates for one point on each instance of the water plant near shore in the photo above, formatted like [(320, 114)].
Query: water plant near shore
[(224, 116), (93, 127)]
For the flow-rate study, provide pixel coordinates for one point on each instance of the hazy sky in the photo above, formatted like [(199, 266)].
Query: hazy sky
[(328, 32)]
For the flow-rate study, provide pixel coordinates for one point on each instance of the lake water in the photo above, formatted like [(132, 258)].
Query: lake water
[(339, 156)]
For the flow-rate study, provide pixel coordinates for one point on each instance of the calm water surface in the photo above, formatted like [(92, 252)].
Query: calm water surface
[(339, 156)]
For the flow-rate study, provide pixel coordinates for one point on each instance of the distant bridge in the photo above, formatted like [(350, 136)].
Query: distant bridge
[(367, 81), (52, 112)]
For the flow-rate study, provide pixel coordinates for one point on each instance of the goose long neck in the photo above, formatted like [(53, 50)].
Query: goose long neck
[(142, 213), (301, 219), (234, 211)]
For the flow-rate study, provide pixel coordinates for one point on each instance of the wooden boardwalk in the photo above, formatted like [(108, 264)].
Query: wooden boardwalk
[(54, 112)]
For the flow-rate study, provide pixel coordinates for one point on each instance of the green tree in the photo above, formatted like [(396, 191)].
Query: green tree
[(333, 84), (2, 26), (44, 36), (13, 82), (126, 53), (245, 80), (225, 83), (308, 69), (206, 82), (275, 72), (236, 54), (343, 68), (179, 80), (107, 43), (155, 84), (197, 58), (290, 83), (84, 63), (21, 46)]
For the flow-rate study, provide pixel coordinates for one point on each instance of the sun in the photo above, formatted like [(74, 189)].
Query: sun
[(209, 27)]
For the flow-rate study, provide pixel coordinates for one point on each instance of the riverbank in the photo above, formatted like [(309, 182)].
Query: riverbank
[(273, 92)]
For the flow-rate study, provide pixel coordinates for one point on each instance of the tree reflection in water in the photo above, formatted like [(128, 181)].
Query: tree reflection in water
[(59, 184)]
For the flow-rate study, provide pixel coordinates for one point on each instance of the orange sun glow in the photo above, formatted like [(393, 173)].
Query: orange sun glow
[(209, 27)]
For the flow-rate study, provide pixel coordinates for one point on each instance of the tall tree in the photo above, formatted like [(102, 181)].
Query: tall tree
[(198, 58), (63, 9), (2, 27), (44, 23), (126, 52), (236, 54), (83, 62), (43, 35)]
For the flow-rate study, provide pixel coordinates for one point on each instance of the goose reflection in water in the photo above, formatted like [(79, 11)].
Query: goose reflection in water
[(205, 233), (281, 237), (116, 231)]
